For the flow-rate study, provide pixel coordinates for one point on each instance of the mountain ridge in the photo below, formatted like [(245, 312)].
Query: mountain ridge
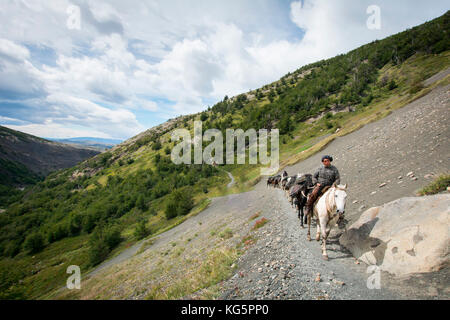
[(31, 151)]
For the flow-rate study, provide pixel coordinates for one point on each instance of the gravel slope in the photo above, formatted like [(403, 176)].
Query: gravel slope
[(414, 139), (283, 265)]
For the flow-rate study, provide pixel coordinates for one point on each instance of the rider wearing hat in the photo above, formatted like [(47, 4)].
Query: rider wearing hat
[(324, 176)]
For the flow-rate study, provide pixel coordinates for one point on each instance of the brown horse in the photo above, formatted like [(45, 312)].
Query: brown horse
[(299, 193)]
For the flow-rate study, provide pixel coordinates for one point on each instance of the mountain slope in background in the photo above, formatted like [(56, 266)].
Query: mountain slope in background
[(89, 142), (25, 157)]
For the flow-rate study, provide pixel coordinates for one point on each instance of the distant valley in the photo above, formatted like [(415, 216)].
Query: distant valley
[(99, 144)]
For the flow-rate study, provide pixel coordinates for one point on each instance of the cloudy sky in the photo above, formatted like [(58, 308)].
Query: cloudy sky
[(125, 66)]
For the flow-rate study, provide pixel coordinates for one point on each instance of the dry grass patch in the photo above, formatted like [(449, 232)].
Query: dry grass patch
[(438, 185), (254, 216), (226, 234), (260, 223), (202, 275)]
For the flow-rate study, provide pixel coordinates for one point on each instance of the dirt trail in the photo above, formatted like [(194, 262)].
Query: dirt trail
[(229, 185), (283, 265)]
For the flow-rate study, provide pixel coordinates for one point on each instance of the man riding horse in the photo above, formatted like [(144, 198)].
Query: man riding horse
[(325, 176)]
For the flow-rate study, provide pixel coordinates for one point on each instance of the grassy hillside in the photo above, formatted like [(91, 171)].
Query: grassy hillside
[(26, 159), (92, 211)]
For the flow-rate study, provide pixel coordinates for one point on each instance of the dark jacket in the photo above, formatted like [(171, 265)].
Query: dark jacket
[(326, 176)]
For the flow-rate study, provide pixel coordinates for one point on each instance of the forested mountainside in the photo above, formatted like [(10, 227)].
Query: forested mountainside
[(26, 159), (86, 213)]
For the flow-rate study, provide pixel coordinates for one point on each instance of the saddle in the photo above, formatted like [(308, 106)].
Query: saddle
[(303, 179), (325, 189)]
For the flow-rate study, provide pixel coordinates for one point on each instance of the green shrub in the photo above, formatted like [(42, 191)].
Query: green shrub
[(98, 252), (157, 145), (152, 211), (112, 237), (141, 203), (203, 116), (34, 243), (171, 210), (329, 124), (101, 242), (58, 232), (179, 203), (141, 230), (392, 85), (12, 248)]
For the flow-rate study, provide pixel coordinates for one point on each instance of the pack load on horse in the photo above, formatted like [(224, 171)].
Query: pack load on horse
[(291, 181), (295, 186), (298, 194)]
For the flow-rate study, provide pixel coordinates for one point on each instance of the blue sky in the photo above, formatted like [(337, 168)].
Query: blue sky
[(134, 64)]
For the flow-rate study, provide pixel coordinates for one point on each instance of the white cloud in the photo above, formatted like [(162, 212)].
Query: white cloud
[(179, 55), (17, 74), (57, 131), (10, 50), (84, 113), (148, 105)]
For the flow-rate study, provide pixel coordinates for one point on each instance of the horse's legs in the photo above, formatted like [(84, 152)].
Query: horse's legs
[(325, 231), (300, 212), (308, 236), (318, 230)]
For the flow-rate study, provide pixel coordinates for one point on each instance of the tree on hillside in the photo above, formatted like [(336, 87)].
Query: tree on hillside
[(141, 230), (179, 203), (272, 95), (34, 243)]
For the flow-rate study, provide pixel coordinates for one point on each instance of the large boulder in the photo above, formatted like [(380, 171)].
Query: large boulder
[(408, 235)]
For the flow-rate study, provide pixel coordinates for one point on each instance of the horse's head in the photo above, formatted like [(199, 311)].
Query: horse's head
[(340, 195)]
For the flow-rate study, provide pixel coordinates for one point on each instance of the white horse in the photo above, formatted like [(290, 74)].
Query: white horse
[(324, 212)]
